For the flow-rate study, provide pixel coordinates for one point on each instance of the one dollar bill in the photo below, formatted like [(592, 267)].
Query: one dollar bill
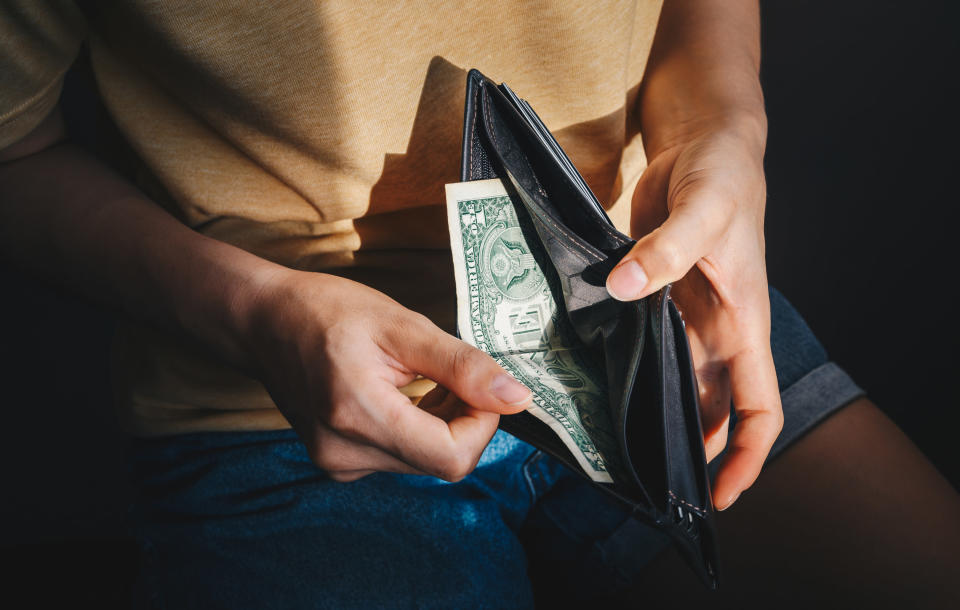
[(508, 306)]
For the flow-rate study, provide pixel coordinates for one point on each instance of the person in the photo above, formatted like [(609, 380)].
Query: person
[(280, 258)]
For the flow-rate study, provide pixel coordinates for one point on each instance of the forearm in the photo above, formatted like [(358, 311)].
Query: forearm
[(703, 71), (66, 216)]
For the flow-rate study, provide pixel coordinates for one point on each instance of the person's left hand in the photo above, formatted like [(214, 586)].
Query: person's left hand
[(698, 211)]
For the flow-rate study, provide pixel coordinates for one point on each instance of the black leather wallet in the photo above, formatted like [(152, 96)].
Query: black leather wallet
[(652, 388)]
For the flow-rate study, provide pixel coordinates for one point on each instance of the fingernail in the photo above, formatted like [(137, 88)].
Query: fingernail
[(730, 503), (509, 390), (627, 281)]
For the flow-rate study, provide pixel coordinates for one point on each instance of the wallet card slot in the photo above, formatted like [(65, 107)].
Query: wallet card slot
[(624, 342), (643, 426), (688, 483), (551, 145), (681, 428), (474, 162), (691, 409), (528, 156)]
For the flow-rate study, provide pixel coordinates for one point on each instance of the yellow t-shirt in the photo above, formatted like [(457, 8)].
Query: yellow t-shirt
[(319, 134)]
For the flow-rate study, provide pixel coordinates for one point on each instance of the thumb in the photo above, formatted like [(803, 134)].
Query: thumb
[(697, 220), (469, 373)]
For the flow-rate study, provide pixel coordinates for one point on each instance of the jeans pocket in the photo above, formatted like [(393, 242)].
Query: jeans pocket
[(539, 474)]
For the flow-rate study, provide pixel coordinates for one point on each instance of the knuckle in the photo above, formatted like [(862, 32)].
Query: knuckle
[(336, 416), (337, 336), (467, 360), (402, 323), (393, 413), (671, 256), (457, 466), (342, 417), (419, 320)]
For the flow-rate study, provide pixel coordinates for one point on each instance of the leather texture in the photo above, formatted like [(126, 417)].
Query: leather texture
[(653, 397)]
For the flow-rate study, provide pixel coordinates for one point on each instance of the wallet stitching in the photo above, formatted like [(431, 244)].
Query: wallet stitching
[(473, 137), (619, 237), (473, 124), (570, 236), (701, 512)]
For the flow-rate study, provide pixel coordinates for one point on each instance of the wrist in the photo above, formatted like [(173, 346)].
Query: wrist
[(747, 125), (271, 305), (220, 299)]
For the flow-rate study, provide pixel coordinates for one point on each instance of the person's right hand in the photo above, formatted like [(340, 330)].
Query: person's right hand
[(333, 353)]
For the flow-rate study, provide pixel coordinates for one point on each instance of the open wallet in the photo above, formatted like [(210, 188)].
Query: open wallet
[(659, 469)]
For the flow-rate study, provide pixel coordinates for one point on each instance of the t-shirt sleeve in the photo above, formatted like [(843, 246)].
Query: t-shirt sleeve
[(39, 39)]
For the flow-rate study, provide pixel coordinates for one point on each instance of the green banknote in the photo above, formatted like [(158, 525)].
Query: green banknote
[(509, 307)]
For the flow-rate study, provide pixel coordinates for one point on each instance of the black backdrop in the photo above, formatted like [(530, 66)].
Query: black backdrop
[(861, 98), (861, 171)]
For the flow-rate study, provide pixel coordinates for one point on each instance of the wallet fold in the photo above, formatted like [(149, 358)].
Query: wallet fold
[(661, 473)]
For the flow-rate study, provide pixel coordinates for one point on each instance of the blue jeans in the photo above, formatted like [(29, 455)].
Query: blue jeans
[(245, 519)]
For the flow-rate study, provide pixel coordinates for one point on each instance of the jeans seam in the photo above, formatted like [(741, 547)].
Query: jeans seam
[(528, 465)]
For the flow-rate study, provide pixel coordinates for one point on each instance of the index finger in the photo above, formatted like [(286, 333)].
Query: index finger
[(756, 399), (448, 449), (468, 372)]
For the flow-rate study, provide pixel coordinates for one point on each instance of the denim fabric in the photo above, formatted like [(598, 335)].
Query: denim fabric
[(245, 520)]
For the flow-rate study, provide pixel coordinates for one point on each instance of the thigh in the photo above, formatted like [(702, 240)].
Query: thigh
[(246, 520), (851, 515)]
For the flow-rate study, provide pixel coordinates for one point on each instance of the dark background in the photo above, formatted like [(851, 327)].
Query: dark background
[(861, 169)]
